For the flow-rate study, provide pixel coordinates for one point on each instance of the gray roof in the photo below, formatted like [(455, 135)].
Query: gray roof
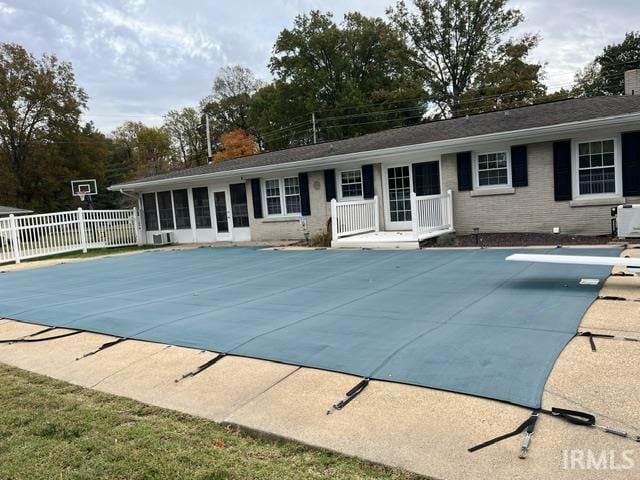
[(4, 211), (552, 113)]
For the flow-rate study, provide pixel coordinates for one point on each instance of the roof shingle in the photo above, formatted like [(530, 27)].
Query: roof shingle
[(552, 113)]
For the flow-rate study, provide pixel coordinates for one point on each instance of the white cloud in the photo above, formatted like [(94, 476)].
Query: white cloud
[(137, 59)]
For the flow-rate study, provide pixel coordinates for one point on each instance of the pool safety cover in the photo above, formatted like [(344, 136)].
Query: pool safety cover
[(460, 320)]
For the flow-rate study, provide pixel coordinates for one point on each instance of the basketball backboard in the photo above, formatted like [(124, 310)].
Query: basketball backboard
[(84, 188)]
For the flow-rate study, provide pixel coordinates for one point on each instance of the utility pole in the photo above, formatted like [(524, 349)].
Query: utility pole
[(313, 121), (206, 117)]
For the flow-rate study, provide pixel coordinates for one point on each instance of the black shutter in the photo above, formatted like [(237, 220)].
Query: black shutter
[(305, 202), (426, 178), (631, 164), (330, 184), (367, 181), (562, 170), (519, 173), (465, 180), (257, 197)]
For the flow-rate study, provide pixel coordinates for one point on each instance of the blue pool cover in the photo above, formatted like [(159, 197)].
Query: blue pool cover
[(460, 320)]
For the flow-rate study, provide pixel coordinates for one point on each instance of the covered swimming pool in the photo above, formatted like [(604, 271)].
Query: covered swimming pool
[(459, 320)]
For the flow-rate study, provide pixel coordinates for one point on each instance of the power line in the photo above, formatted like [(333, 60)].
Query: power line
[(284, 132)]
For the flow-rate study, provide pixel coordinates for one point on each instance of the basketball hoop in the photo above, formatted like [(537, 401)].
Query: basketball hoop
[(83, 189)]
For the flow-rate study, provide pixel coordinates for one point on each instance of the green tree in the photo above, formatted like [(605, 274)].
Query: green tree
[(452, 41), (507, 81), (118, 168), (40, 107), (605, 75), (356, 70), (279, 117), (147, 149), (188, 137)]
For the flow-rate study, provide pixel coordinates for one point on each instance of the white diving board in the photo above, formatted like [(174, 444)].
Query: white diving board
[(633, 263)]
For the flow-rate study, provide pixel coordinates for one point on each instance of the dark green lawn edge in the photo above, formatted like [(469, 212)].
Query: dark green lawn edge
[(52, 429), (94, 252)]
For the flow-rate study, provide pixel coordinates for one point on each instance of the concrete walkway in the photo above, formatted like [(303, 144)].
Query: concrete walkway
[(419, 429)]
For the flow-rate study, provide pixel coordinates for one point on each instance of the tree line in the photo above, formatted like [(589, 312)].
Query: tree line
[(331, 79)]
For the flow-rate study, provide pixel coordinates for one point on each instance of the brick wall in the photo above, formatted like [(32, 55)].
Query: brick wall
[(529, 209), (288, 228)]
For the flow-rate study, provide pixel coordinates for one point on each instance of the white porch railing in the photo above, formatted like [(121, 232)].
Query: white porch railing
[(431, 213), (32, 236), (352, 218)]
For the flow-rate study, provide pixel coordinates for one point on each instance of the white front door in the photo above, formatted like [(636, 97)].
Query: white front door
[(397, 182), (222, 214)]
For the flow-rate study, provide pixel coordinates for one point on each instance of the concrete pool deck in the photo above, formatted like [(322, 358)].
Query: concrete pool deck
[(419, 429)]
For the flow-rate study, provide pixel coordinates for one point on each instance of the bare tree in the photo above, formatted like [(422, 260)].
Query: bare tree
[(228, 104)]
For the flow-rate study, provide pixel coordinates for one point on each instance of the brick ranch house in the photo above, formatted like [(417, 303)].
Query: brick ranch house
[(529, 169)]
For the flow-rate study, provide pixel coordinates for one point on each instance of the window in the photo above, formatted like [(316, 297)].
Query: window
[(220, 205), (292, 195), (351, 184), (165, 210), (239, 209), (150, 211), (282, 196), (201, 207), (272, 192), (181, 209), (596, 167), (493, 169)]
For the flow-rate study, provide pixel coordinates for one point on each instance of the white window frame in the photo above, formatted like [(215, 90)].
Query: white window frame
[(476, 174), (283, 195), (264, 197), (575, 164), (339, 184)]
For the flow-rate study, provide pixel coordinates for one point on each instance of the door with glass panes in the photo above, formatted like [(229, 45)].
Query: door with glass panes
[(221, 214), (398, 194)]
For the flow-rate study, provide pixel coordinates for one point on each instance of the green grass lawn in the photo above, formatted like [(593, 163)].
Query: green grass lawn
[(51, 429), (97, 252)]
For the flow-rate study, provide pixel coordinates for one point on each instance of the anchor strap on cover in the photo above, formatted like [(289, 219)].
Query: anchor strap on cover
[(34, 334), (592, 342), (528, 423), (350, 395), (572, 416), (202, 367), (102, 347), (588, 420), (45, 339)]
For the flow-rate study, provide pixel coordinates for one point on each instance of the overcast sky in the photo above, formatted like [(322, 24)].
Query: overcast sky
[(139, 58)]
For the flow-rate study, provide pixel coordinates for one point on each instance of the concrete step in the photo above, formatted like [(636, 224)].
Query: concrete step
[(386, 245)]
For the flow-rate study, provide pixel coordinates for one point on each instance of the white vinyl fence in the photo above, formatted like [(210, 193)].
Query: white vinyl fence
[(352, 218), (32, 236), (431, 213)]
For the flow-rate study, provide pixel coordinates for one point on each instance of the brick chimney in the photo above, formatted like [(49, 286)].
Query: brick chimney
[(632, 82)]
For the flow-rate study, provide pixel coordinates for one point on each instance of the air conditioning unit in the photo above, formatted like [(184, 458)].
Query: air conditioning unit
[(628, 221), (165, 238)]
